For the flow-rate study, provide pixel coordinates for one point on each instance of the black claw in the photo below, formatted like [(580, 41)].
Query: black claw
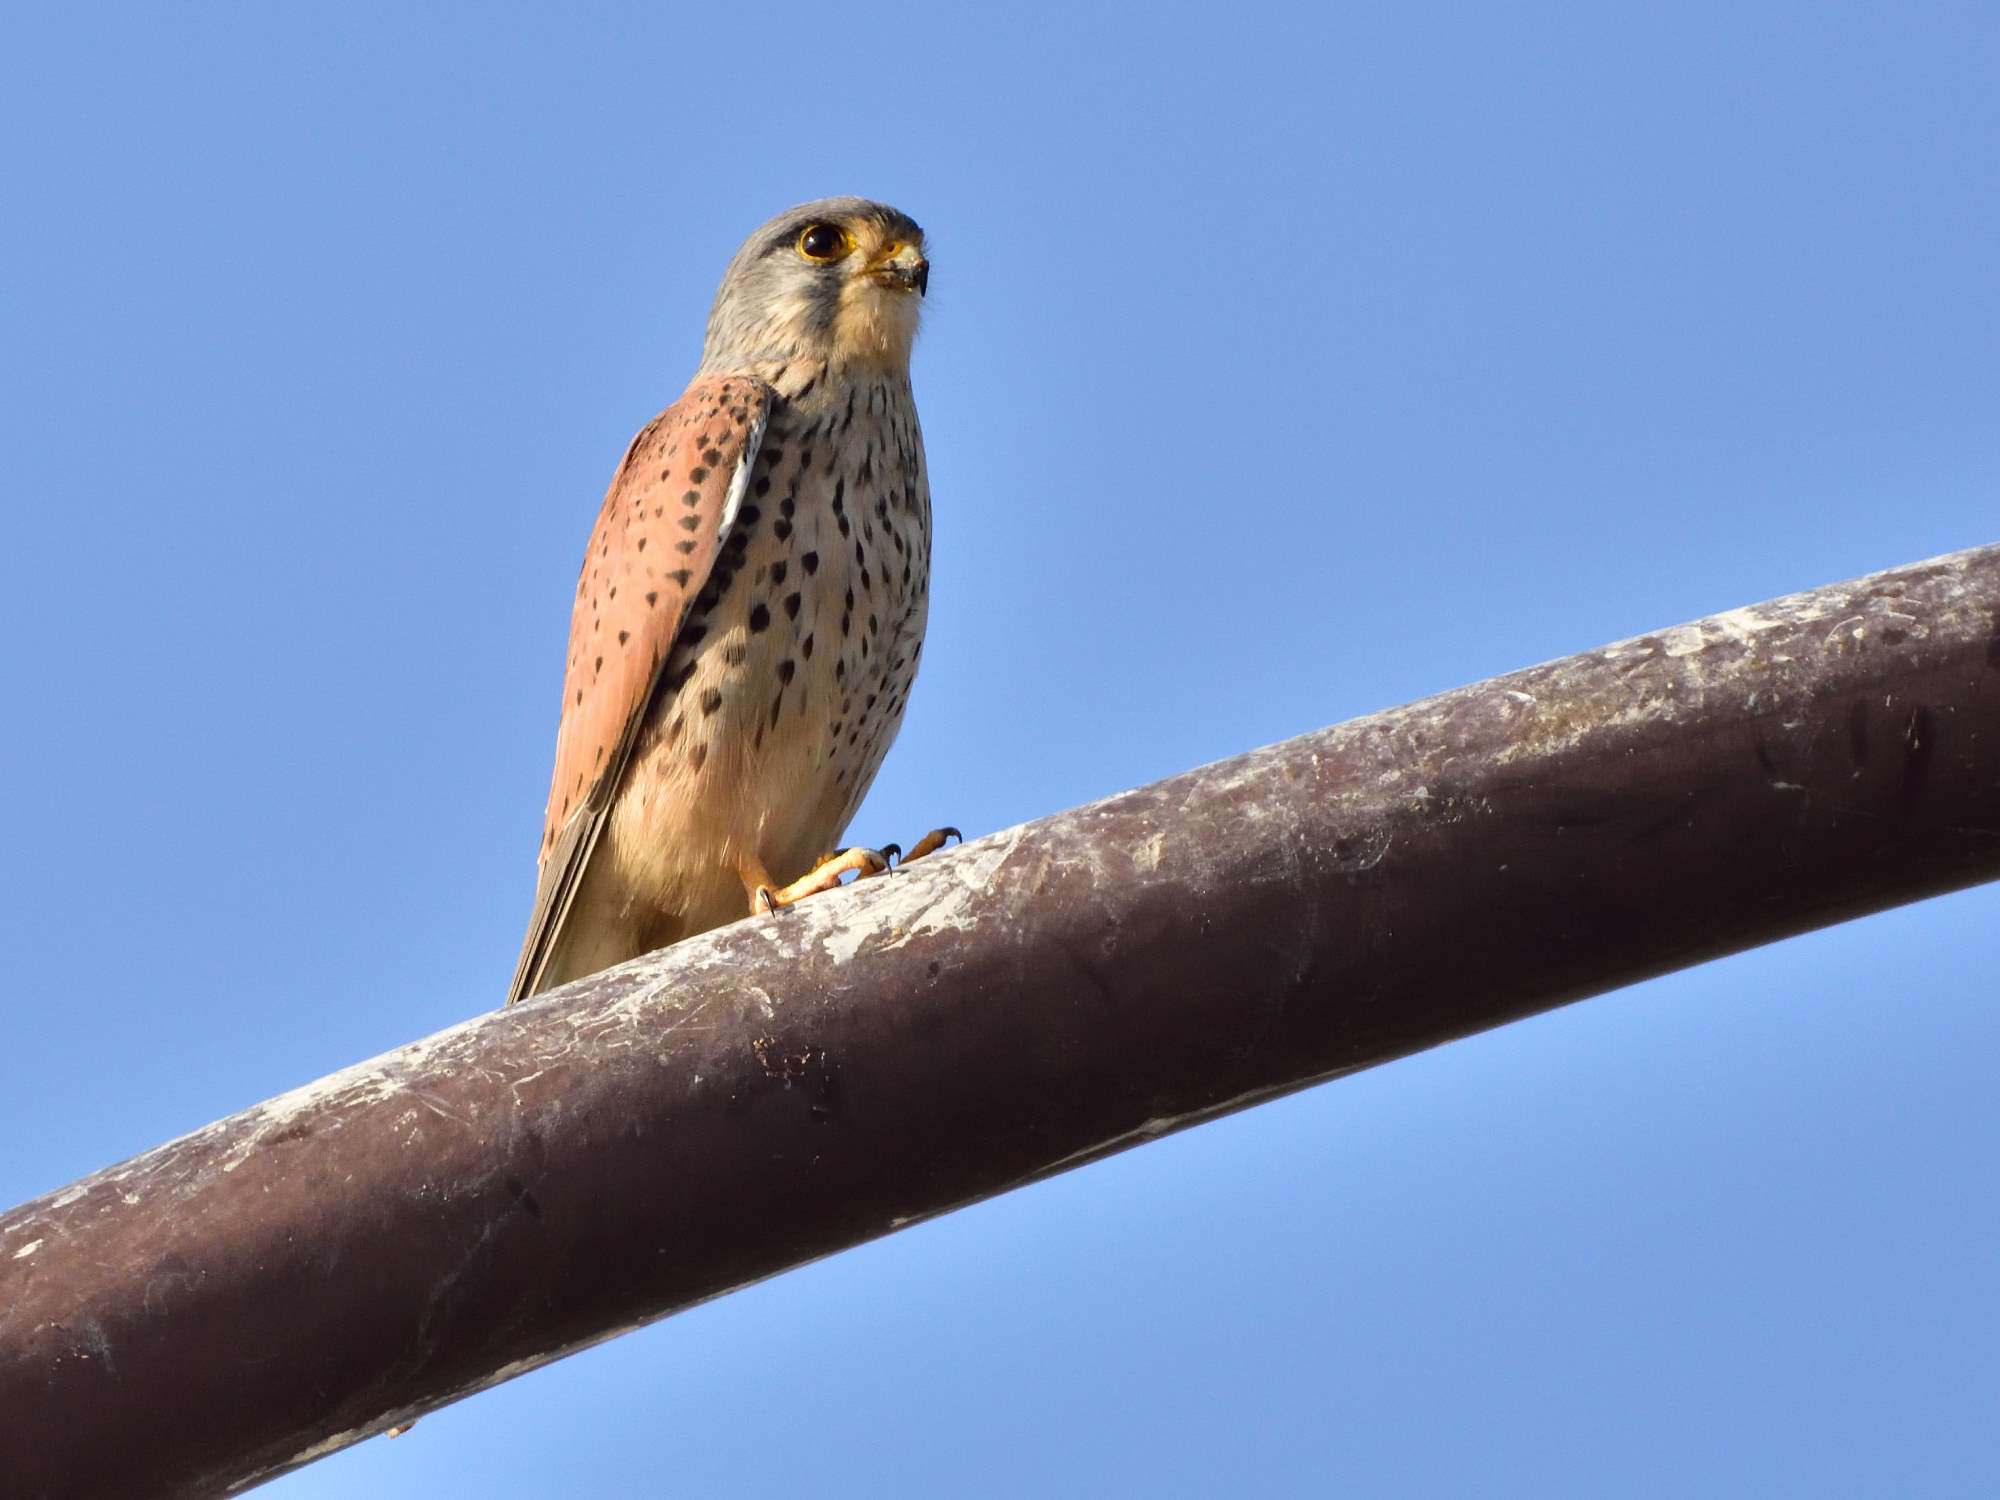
[(891, 853), (952, 833)]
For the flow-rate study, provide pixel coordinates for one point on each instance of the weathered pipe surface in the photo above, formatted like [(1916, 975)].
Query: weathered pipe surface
[(298, 1276)]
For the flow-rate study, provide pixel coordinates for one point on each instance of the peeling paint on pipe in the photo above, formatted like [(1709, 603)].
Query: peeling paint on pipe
[(457, 1212)]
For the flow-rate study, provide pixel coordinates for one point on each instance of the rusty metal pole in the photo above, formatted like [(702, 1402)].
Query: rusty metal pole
[(300, 1275)]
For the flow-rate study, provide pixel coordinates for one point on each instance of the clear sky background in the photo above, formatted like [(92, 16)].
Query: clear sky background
[(1498, 332)]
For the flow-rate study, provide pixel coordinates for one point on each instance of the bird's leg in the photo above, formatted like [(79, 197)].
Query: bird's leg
[(930, 843), (767, 896)]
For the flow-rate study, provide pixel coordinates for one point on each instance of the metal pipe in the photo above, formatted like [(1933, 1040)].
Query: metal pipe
[(451, 1214)]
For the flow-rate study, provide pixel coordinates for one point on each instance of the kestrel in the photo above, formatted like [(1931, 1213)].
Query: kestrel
[(751, 609)]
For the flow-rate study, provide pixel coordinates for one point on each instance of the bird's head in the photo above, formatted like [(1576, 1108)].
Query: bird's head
[(827, 285)]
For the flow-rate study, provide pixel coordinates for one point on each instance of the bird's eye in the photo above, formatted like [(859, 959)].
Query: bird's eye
[(823, 242)]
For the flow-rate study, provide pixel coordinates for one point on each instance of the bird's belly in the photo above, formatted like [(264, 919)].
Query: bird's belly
[(780, 716)]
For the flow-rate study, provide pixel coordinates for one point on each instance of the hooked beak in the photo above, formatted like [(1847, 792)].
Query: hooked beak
[(903, 267)]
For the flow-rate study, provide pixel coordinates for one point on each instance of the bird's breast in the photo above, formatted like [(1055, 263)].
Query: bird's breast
[(784, 690)]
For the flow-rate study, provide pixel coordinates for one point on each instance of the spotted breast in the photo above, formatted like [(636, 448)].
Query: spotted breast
[(788, 683)]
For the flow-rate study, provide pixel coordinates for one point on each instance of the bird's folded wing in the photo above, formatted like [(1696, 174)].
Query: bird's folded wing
[(665, 518)]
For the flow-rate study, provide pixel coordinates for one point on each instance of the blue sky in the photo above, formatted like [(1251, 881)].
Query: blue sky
[(1282, 364)]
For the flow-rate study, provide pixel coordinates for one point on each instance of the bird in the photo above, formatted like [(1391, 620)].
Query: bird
[(751, 608)]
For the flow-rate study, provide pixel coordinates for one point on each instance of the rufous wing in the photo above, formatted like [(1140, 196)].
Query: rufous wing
[(666, 515)]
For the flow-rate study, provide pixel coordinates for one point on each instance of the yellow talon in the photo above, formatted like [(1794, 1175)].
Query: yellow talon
[(931, 842), (766, 898)]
